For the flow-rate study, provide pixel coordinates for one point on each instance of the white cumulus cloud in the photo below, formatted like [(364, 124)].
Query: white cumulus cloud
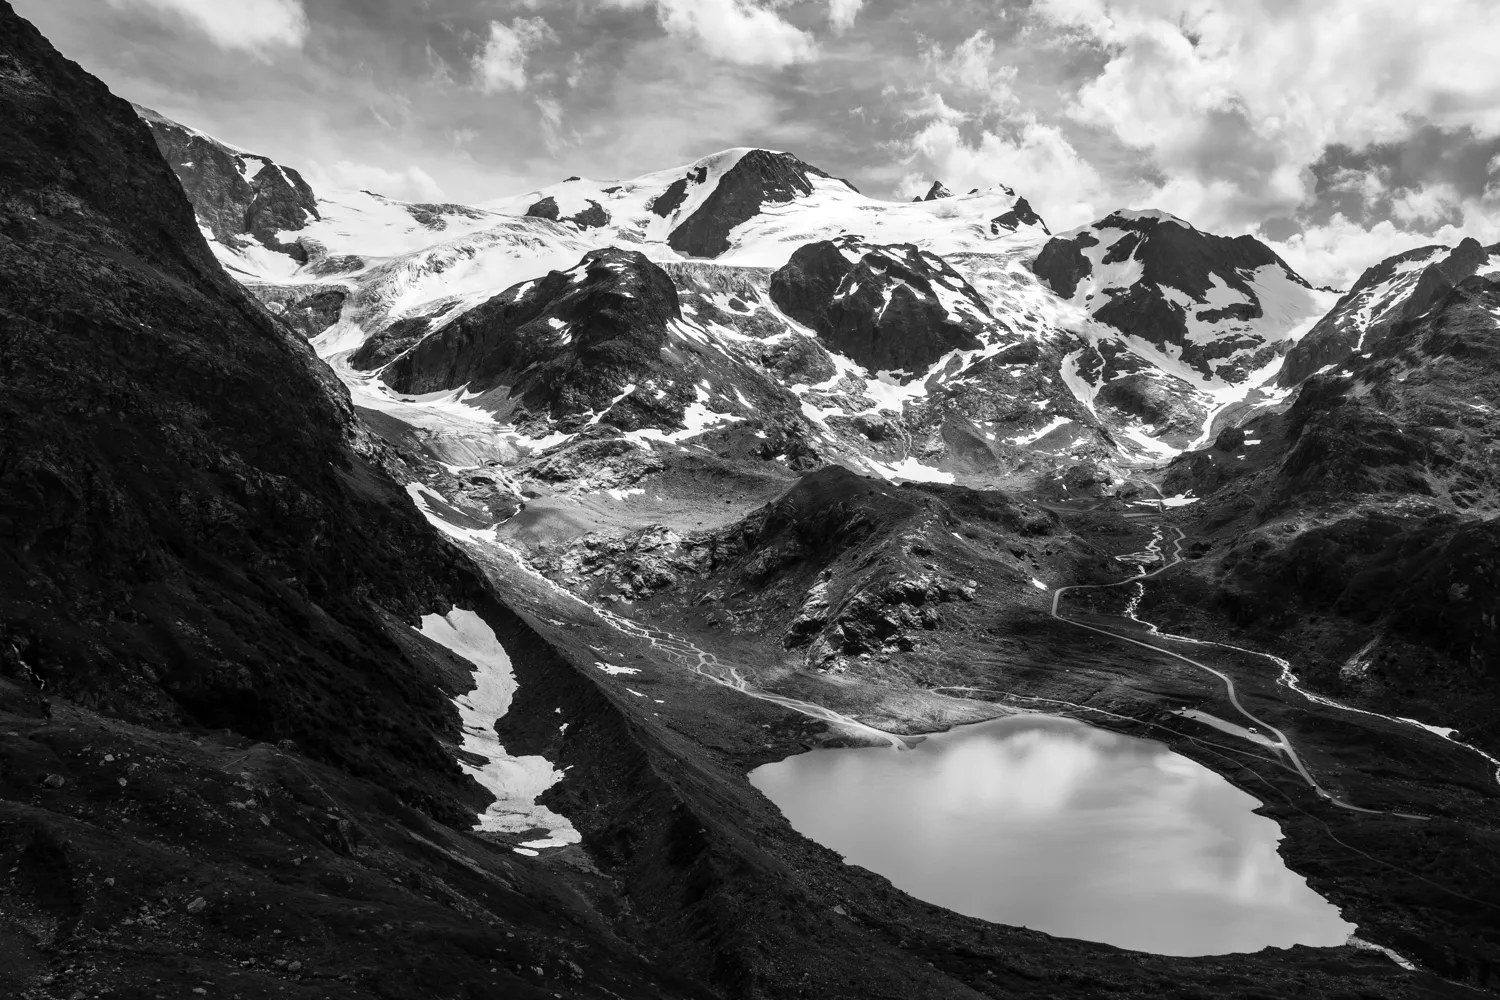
[(500, 64), (250, 25), (1234, 98), (841, 14), (736, 31), (1034, 158), (1338, 252)]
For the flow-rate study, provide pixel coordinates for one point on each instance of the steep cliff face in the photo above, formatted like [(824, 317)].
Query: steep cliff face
[(190, 528), (237, 195)]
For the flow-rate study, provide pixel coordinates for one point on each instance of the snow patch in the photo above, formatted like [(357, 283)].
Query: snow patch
[(614, 671), (514, 781), (911, 470)]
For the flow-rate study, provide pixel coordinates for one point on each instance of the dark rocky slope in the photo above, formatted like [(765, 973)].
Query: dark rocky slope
[(308, 309), (887, 308), (1021, 214), (193, 531), (1398, 289), (840, 568), (225, 760), (592, 217), (1361, 524), (761, 177), (566, 345)]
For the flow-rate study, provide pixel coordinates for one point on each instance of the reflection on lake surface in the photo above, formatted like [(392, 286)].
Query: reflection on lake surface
[(1058, 826)]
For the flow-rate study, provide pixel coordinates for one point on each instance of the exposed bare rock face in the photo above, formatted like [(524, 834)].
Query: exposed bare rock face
[(840, 567), (1022, 214), (571, 343), (308, 309), (1386, 480), (759, 178), (1226, 307), (888, 308), (1398, 289), (592, 217), (236, 194)]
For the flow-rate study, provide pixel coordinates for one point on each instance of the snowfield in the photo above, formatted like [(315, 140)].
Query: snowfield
[(514, 781)]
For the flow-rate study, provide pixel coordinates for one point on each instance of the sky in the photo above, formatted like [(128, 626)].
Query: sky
[(1339, 131)]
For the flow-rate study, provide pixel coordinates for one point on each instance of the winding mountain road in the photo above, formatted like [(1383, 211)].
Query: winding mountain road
[(1280, 741)]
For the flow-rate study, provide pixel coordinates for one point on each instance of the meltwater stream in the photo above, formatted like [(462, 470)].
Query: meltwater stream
[(1056, 825)]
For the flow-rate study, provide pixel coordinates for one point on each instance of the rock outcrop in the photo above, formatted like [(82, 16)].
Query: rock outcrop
[(1224, 306), (759, 178), (236, 194), (891, 308), (1398, 289), (592, 217), (578, 343), (1021, 214)]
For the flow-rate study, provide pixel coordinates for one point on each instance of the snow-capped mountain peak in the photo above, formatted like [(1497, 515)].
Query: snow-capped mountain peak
[(1223, 307), (822, 314)]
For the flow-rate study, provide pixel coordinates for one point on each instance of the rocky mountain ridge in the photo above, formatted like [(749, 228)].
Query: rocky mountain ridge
[(1398, 289), (1225, 308)]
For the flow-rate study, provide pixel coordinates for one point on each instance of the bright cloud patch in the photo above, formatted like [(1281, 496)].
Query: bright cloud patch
[(841, 14), (252, 25), (738, 31), (500, 63), (1037, 160), (1336, 254), (1234, 98)]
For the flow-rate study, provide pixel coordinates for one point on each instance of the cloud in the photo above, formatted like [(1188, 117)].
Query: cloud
[(841, 14), (972, 67), (411, 184), (551, 120), (1236, 97), (1338, 252), (1428, 207), (251, 25), (500, 64), (932, 107), (1037, 160), (736, 31)]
